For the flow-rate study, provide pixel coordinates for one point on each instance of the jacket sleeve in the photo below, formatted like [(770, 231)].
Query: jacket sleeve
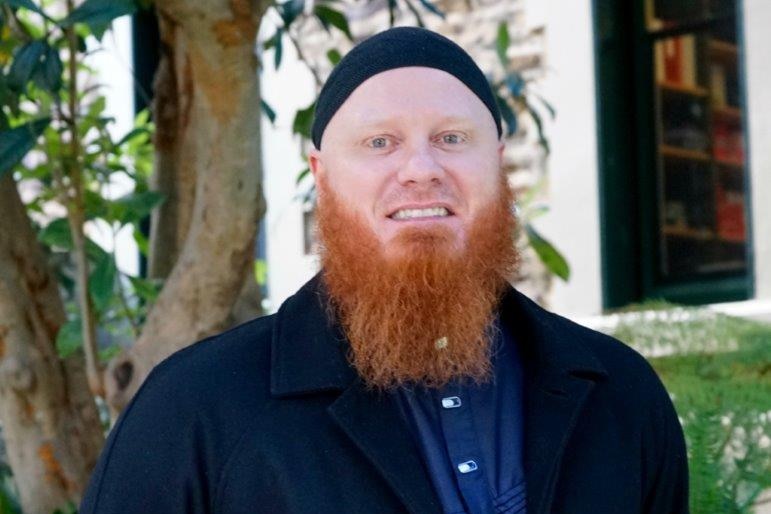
[(150, 461), (666, 461)]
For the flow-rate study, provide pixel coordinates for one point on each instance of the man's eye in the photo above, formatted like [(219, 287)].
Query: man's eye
[(378, 142), (452, 138)]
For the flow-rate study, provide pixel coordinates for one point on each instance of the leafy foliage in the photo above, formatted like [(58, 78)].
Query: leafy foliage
[(40, 114), (18, 141), (717, 372), (8, 502)]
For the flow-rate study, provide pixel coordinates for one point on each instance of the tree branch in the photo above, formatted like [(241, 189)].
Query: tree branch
[(76, 218)]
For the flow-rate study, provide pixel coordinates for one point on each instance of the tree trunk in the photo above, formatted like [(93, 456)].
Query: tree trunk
[(50, 422), (248, 305), (217, 136), (172, 100)]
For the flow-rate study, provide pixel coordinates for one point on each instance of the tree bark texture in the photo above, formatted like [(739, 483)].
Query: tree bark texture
[(214, 143), (50, 422), (172, 100)]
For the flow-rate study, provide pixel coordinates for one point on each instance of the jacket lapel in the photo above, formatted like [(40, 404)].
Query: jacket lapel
[(559, 374), (551, 410), (373, 423)]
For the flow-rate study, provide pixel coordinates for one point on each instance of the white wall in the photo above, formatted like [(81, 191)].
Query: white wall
[(573, 222), (757, 20), (286, 90)]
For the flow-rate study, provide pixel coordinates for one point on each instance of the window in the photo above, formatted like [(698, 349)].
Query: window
[(672, 151)]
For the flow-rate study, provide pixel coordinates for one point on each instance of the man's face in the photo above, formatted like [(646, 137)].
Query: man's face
[(412, 148)]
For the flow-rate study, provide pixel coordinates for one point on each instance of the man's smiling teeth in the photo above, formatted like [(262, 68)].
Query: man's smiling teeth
[(405, 214)]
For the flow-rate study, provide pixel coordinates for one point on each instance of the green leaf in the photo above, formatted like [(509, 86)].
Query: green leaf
[(107, 354), (303, 120), (502, 41), (96, 205), (16, 142), (69, 338), (539, 125), (549, 255), (515, 84), (329, 16), (535, 212), (98, 14), (142, 242), (96, 108), (431, 7), (300, 176), (101, 282), (508, 115), (290, 10), (334, 56), (57, 234), (268, 110), (148, 289), (549, 106), (24, 63), (270, 42), (133, 133), (26, 4), (279, 35), (133, 207), (9, 503), (51, 70), (261, 271)]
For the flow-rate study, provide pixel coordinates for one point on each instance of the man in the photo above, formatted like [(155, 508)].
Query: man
[(408, 376)]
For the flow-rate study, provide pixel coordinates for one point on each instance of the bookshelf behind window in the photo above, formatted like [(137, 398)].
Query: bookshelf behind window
[(700, 150)]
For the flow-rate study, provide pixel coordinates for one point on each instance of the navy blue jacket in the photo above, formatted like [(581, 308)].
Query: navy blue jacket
[(268, 417)]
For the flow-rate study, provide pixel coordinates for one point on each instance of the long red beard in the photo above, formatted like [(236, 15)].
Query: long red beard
[(425, 316)]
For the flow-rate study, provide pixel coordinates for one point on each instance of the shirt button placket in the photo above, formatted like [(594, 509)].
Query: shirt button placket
[(463, 450)]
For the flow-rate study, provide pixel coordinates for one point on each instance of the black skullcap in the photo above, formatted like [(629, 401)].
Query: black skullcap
[(398, 47)]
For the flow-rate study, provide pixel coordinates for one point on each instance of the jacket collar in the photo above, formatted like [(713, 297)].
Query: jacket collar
[(308, 356), (308, 349)]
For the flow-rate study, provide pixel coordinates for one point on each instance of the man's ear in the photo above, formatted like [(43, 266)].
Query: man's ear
[(501, 148), (315, 164)]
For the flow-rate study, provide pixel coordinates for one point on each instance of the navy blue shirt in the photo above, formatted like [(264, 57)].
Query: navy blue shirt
[(470, 436)]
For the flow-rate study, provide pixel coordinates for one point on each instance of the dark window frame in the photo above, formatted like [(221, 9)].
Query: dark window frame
[(627, 150)]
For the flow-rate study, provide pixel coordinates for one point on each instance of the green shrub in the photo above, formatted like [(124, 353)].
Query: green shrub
[(718, 372)]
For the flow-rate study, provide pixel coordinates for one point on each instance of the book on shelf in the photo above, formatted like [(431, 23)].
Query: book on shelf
[(730, 214), (727, 142), (675, 61), (717, 85)]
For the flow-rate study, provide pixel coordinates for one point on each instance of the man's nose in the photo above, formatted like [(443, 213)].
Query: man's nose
[(420, 167)]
